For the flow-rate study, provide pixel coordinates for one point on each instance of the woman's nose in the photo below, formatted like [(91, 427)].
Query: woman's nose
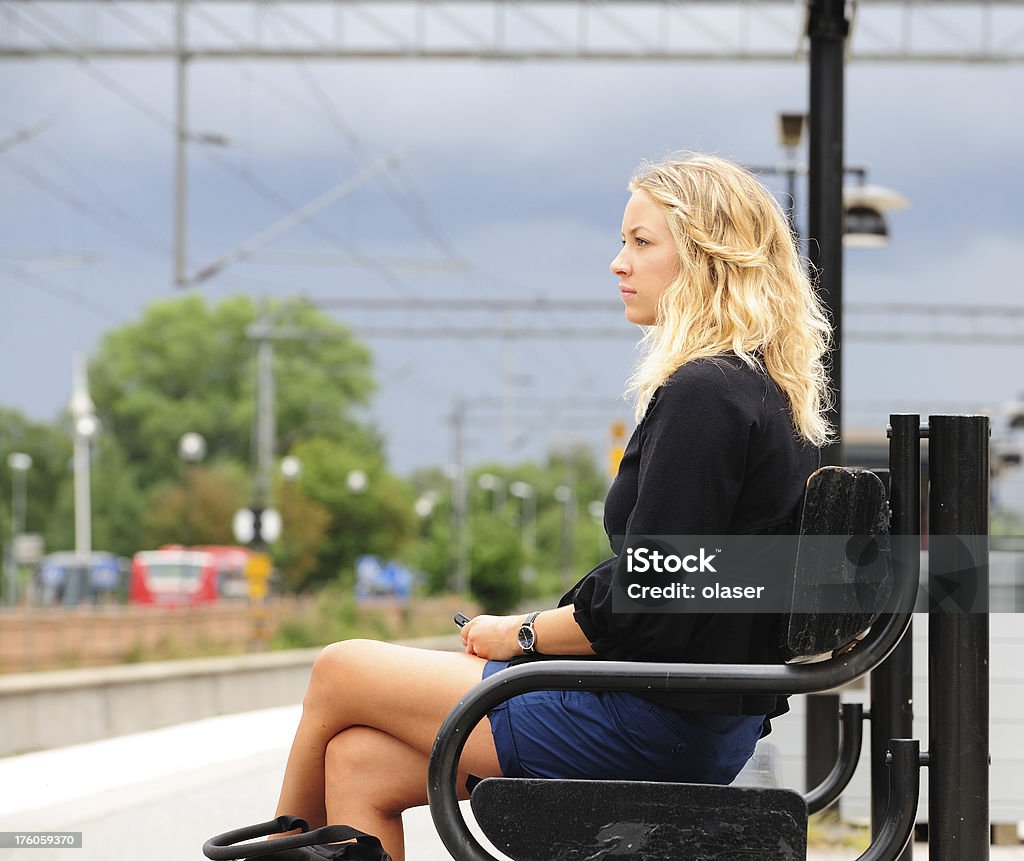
[(618, 265)]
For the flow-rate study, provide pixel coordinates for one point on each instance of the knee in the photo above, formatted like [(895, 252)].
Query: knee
[(350, 754), (334, 666)]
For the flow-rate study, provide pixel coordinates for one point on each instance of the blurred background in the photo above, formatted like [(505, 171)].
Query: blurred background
[(331, 279)]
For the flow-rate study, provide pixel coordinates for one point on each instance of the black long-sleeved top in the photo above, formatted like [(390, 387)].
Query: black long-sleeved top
[(715, 454)]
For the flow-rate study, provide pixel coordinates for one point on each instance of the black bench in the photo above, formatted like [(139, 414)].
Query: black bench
[(541, 820)]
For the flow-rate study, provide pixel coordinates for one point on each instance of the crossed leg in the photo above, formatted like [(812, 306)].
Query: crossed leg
[(369, 719)]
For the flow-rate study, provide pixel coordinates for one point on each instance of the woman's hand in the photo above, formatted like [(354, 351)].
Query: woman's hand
[(495, 638)]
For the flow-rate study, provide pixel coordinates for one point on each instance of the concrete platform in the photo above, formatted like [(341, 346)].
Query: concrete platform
[(159, 794)]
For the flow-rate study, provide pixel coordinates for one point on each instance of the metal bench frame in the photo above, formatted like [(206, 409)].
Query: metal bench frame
[(834, 672)]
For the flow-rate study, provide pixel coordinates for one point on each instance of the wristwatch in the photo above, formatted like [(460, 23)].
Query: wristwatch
[(527, 636)]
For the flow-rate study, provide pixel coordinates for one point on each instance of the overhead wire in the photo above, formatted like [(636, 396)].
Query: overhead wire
[(403, 196), (405, 199), (266, 192), (388, 276), (69, 198), (413, 204), (65, 294), (97, 192)]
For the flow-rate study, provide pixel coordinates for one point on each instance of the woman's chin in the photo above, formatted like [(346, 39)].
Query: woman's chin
[(638, 319)]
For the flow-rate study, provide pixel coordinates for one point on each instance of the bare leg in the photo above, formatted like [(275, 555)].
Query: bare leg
[(371, 778), (404, 693)]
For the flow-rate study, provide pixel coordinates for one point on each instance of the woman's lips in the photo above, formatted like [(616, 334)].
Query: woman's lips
[(625, 292)]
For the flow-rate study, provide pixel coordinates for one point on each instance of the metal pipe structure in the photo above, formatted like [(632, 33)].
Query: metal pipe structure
[(892, 712), (846, 764), (827, 29), (958, 639), (904, 791)]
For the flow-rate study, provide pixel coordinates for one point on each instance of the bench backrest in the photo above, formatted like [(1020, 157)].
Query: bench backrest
[(843, 571)]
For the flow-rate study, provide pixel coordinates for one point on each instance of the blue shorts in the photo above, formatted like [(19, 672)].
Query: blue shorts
[(612, 735)]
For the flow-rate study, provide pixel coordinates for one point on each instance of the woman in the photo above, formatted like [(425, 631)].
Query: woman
[(729, 400)]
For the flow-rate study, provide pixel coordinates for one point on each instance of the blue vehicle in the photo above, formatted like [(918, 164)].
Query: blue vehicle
[(70, 578)]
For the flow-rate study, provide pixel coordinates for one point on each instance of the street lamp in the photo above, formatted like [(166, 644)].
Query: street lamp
[(525, 492), (19, 463), (864, 208), (424, 505), (493, 483), (356, 481), (191, 449), (291, 468)]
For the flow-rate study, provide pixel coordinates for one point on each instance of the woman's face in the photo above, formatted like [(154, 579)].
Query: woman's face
[(648, 260)]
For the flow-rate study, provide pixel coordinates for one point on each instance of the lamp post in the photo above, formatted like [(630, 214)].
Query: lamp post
[(493, 483), (528, 522), (85, 427), (19, 463), (191, 449)]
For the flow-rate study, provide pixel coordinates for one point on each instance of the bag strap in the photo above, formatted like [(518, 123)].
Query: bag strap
[(223, 847)]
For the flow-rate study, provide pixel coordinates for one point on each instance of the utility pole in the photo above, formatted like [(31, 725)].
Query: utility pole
[(265, 424), (181, 143), (460, 499)]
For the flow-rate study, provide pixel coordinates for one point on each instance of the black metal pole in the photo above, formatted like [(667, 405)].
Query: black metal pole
[(842, 772), (827, 29), (958, 646), (898, 826), (892, 711)]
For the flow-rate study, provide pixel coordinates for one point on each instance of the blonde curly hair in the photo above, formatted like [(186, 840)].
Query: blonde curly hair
[(741, 288)]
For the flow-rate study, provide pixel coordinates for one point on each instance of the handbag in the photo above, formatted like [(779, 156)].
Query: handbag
[(320, 844)]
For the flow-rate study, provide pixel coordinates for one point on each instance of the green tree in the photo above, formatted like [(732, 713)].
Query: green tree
[(496, 563), (198, 508), (377, 520), (305, 527), (187, 366), (49, 446)]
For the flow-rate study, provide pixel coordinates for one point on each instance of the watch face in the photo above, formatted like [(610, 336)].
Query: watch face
[(526, 638)]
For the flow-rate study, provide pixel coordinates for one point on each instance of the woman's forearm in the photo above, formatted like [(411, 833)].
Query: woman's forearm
[(496, 637), (558, 633)]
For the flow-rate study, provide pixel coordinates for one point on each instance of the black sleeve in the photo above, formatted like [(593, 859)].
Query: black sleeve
[(693, 448)]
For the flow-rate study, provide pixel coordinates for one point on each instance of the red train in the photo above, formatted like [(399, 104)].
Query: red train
[(186, 576)]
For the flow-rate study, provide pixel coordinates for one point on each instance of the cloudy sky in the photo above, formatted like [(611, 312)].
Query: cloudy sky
[(517, 170)]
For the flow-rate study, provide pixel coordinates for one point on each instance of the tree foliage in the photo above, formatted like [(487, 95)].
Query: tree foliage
[(378, 520), (190, 366), (187, 366), (199, 508)]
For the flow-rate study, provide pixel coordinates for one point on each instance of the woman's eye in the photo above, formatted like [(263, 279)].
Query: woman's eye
[(640, 241)]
